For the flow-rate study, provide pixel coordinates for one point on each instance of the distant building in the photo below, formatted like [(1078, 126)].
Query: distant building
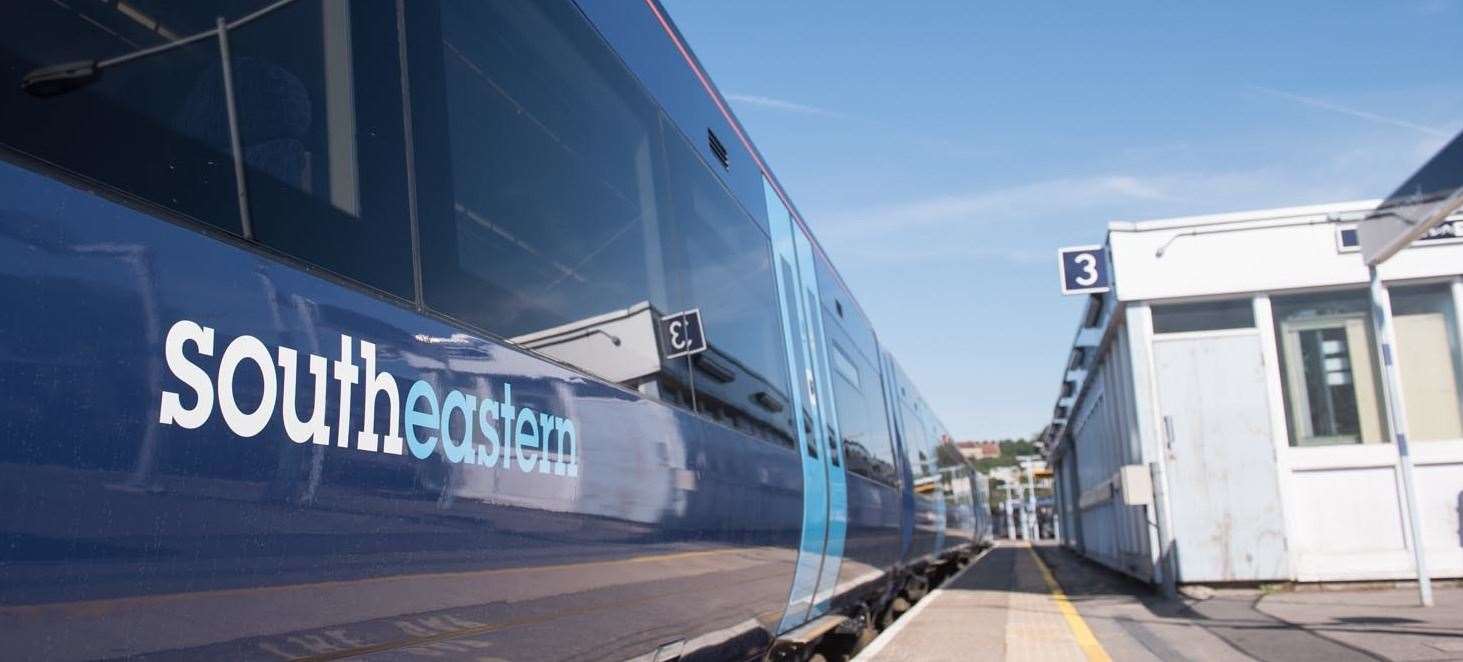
[(1234, 361), (1006, 475), (979, 450)]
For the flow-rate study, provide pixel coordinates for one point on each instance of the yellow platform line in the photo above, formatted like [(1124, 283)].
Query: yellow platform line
[(1083, 634)]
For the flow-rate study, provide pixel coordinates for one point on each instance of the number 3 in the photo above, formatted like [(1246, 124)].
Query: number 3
[(676, 340), (1089, 269)]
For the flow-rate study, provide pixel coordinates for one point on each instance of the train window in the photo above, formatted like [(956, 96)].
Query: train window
[(916, 439), (860, 404), (640, 40), (137, 126), (541, 168), (556, 202), (718, 260), (318, 121), (843, 365), (838, 301), (318, 92)]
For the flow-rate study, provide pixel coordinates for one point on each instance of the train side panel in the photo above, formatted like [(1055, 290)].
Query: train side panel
[(133, 515), (350, 345), (925, 517)]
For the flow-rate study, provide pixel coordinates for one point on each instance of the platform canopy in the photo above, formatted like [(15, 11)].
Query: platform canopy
[(1417, 207)]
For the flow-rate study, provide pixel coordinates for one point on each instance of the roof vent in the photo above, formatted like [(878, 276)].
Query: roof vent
[(718, 149)]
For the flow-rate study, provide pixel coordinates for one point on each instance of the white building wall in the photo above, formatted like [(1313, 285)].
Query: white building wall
[(1103, 440), (1265, 251), (1065, 471), (1344, 512)]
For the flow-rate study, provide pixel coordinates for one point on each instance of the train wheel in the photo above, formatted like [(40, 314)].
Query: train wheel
[(886, 617)]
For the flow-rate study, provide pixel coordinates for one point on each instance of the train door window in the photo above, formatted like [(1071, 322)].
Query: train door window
[(793, 313)]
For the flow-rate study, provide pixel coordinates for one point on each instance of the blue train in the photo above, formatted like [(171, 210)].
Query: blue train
[(412, 329)]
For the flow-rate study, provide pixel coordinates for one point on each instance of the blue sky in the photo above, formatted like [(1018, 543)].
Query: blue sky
[(943, 154)]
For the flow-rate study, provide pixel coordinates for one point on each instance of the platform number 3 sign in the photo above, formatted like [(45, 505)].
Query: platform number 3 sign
[(682, 334), (1084, 269)]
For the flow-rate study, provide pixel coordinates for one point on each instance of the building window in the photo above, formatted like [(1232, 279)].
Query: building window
[(1204, 316), (1332, 392), (1426, 325)]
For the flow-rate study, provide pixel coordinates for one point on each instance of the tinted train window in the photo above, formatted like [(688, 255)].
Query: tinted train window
[(540, 164), (318, 117), (640, 40), (719, 260), (861, 416), (918, 441), (137, 126), (554, 201), (843, 364), (842, 309), (320, 125)]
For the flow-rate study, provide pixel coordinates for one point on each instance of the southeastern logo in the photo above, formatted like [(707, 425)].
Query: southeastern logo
[(494, 433)]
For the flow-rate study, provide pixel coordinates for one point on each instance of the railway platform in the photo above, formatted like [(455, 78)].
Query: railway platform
[(1022, 602)]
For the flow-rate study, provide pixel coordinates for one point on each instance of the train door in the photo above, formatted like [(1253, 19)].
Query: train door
[(941, 478), (831, 439), (825, 500), (901, 456)]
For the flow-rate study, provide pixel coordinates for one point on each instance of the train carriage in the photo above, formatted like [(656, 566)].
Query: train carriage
[(344, 329)]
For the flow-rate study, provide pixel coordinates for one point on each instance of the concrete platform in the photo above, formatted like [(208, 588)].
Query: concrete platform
[(1001, 607), (1046, 603)]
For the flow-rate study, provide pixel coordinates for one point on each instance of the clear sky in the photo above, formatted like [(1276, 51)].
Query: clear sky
[(942, 151)]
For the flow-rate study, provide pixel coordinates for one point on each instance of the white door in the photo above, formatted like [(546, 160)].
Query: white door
[(1223, 487)]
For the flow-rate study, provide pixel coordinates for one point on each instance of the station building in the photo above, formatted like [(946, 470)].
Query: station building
[(1227, 385)]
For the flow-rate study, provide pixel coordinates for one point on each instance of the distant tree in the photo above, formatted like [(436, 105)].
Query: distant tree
[(1010, 449), (988, 463), (949, 455), (1014, 447)]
